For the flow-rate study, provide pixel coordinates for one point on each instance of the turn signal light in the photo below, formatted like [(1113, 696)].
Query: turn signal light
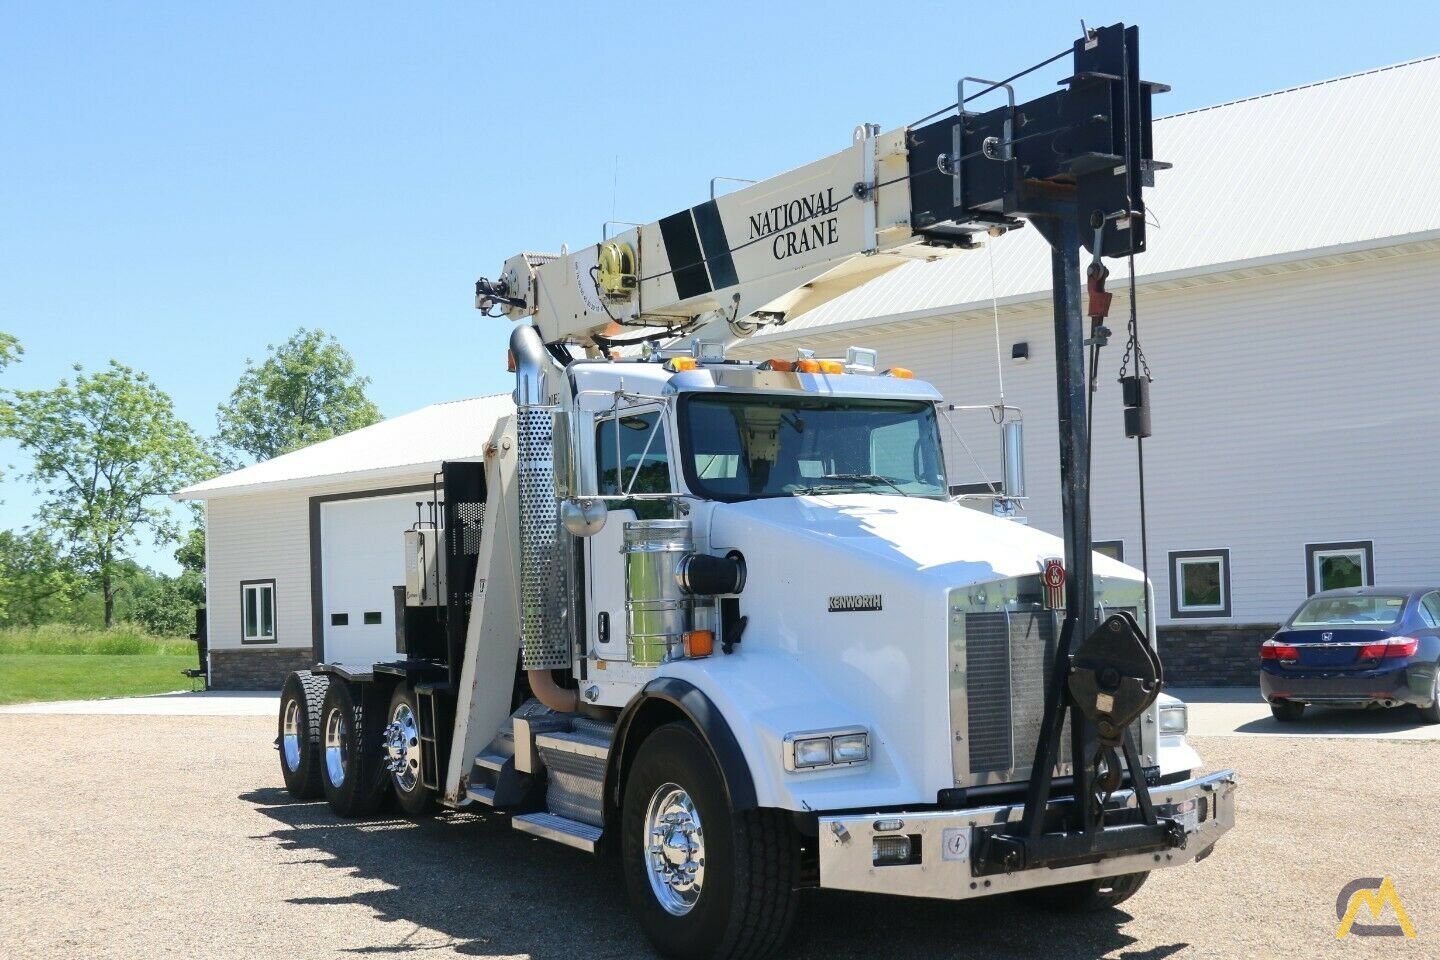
[(900, 372), (699, 643), (811, 365), (1390, 647), (680, 364), (1273, 649)]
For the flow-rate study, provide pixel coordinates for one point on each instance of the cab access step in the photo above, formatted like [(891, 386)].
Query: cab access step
[(548, 770)]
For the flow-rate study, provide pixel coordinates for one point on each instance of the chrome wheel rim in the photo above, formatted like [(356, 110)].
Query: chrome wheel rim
[(675, 849), (402, 748), (337, 731), (290, 736)]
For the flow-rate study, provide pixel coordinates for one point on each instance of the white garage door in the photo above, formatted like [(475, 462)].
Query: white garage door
[(362, 559)]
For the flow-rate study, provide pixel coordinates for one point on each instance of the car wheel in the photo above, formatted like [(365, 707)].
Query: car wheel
[(1431, 714), (705, 882), (1287, 711)]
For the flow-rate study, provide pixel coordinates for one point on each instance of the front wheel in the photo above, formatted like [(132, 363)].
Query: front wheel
[(1287, 711), (705, 882), (1088, 896)]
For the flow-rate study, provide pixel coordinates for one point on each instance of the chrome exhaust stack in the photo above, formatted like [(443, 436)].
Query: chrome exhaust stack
[(544, 632)]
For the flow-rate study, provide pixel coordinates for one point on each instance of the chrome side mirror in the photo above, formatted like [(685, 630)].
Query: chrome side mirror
[(583, 516)]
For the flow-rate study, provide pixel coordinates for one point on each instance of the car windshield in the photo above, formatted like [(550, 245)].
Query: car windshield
[(746, 447), (1349, 611)]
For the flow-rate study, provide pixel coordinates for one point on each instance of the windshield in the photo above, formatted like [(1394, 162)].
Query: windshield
[(744, 447), (1349, 611)]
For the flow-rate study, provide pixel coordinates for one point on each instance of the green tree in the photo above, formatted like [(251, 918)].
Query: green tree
[(10, 349), (106, 449), (37, 583), (305, 391), (161, 604)]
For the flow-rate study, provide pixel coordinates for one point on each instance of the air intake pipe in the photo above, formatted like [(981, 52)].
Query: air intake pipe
[(544, 634)]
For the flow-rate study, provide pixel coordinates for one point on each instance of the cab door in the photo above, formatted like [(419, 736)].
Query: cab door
[(631, 456)]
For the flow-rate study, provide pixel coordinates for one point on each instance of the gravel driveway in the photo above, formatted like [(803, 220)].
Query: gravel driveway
[(163, 836)]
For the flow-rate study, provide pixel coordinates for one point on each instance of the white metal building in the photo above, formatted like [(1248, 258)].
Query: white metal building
[(303, 551), (1288, 308)]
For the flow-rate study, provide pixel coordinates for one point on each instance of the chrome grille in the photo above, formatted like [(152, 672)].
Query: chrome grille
[(1008, 655), (1002, 649)]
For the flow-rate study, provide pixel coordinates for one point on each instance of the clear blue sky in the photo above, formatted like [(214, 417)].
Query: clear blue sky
[(183, 183)]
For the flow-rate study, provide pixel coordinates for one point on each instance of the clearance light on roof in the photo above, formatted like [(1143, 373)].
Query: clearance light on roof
[(811, 365), (681, 364), (778, 365), (900, 372)]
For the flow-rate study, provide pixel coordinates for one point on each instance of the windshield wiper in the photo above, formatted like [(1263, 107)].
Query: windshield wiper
[(865, 478)]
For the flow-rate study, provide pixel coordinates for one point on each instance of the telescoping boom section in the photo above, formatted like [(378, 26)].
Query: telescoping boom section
[(725, 618)]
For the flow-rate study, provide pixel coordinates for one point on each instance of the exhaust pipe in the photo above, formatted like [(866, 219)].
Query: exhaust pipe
[(544, 633)]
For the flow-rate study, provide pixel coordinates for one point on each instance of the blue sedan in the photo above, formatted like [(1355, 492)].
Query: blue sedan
[(1357, 647)]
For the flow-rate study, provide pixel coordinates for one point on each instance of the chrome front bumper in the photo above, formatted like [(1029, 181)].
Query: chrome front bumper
[(945, 841)]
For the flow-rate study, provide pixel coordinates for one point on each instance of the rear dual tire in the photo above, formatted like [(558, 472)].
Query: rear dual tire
[(351, 769), (298, 741)]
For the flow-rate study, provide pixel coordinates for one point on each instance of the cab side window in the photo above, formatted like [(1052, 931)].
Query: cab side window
[(638, 463)]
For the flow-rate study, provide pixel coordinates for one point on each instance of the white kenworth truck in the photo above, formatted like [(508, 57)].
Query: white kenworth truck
[(724, 619)]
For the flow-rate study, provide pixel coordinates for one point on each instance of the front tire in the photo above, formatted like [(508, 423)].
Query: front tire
[(350, 769), (1287, 711), (298, 739), (705, 882), (402, 753), (1088, 896)]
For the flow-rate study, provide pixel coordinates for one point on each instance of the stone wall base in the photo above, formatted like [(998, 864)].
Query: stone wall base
[(1223, 655), (256, 668)]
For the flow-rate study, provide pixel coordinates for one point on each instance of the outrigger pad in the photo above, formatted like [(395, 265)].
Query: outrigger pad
[(1114, 677)]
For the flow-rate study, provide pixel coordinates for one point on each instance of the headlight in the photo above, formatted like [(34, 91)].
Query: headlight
[(1174, 718), (811, 749)]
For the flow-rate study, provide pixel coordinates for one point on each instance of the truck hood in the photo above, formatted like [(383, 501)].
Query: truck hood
[(933, 539)]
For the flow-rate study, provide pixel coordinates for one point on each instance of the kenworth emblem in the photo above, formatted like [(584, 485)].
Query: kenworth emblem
[(851, 602), (1053, 579)]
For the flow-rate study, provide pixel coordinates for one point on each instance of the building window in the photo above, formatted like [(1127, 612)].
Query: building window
[(1114, 549), (372, 617), (257, 611), (1200, 583), (339, 619), (1330, 566)]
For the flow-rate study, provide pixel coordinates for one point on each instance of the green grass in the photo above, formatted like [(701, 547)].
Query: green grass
[(27, 677), (57, 662)]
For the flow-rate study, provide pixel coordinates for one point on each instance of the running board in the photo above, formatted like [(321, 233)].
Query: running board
[(572, 833), (480, 794)]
